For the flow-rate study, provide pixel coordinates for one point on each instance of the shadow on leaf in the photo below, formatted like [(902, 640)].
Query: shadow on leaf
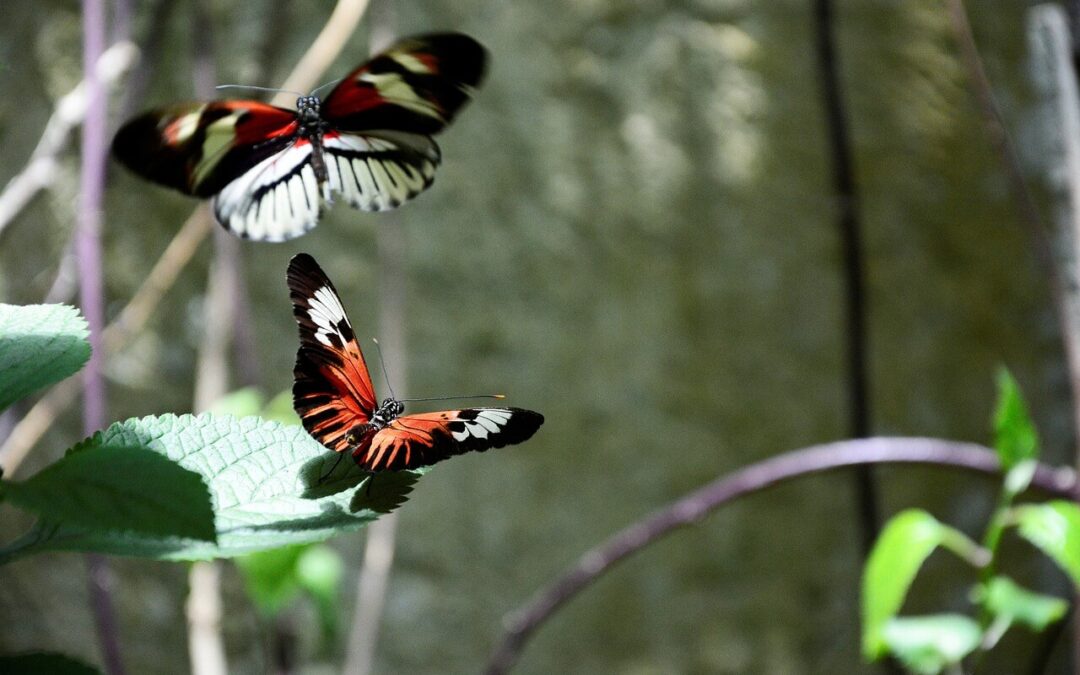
[(329, 474)]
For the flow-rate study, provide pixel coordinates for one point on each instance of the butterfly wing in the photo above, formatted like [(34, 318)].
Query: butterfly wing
[(332, 391), (412, 441), (378, 171), (417, 86), (199, 148), (247, 155)]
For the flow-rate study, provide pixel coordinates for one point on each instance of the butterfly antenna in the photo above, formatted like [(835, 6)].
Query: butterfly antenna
[(453, 398), (324, 86), (382, 363), (251, 86)]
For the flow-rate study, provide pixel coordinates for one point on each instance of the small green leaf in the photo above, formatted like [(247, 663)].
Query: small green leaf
[(270, 577), (270, 486), (905, 542), (122, 489), (929, 644), (1054, 527), (1019, 477), (319, 571), (39, 345), (1015, 438), (39, 663), (1008, 601)]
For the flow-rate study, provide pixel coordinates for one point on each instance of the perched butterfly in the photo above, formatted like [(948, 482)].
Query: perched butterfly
[(268, 169), (335, 399)]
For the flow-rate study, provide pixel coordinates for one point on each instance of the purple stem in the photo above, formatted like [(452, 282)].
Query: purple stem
[(521, 624), (92, 299)]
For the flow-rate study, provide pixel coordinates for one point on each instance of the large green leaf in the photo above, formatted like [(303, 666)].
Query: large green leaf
[(929, 644), (42, 663), (116, 488), (1015, 438), (904, 544), (270, 485), (39, 345), (1054, 527)]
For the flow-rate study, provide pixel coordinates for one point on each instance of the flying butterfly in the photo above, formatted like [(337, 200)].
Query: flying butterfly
[(268, 170), (335, 399)]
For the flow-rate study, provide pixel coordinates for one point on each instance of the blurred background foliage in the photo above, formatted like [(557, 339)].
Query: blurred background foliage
[(633, 232)]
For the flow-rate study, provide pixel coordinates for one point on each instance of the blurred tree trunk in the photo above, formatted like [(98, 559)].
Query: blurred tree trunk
[(381, 535)]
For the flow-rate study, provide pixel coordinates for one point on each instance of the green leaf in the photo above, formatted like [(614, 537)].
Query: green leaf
[(270, 486), (929, 644), (904, 544), (1019, 477), (39, 345), (270, 577), (1054, 527), (280, 409), (275, 578), (1014, 604), (319, 571), (116, 488), (1015, 438), (239, 403), (39, 663)]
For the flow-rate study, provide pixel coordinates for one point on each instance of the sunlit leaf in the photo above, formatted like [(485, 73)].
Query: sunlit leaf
[(39, 345), (1010, 602), (270, 486), (1015, 438), (904, 544), (1054, 527), (929, 644), (42, 663), (122, 489)]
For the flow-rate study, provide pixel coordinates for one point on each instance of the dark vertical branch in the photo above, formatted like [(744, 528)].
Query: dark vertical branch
[(847, 200), (92, 299)]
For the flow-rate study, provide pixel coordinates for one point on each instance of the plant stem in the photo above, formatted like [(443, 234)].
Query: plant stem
[(92, 299)]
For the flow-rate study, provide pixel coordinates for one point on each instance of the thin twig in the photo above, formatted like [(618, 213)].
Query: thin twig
[(92, 298), (42, 168), (206, 645), (523, 622), (850, 230), (374, 577)]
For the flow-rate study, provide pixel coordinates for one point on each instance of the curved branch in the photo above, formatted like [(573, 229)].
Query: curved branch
[(522, 623)]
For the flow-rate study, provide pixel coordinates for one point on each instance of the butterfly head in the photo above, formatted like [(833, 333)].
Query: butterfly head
[(388, 411), (307, 109)]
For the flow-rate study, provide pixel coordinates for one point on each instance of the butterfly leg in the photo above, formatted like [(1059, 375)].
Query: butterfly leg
[(370, 480), (327, 474)]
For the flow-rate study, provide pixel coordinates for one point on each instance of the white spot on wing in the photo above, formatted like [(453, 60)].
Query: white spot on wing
[(326, 312), (488, 421), (275, 200)]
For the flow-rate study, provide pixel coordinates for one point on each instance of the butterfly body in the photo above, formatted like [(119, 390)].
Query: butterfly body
[(335, 399), (269, 170)]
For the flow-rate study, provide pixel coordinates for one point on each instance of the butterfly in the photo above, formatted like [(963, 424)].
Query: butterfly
[(268, 170), (334, 397)]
